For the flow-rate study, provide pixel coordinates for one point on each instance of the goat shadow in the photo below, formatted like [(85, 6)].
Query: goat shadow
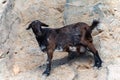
[(82, 58)]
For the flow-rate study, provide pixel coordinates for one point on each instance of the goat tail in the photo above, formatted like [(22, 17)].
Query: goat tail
[(89, 30), (94, 24)]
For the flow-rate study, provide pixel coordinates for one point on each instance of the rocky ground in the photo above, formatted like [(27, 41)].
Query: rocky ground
[(21, 58)]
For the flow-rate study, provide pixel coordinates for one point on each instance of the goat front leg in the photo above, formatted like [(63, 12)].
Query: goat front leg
[(49, 60), (97, 58)]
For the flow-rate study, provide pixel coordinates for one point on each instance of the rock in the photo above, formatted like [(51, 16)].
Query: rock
[(21, 58), (113, 72)]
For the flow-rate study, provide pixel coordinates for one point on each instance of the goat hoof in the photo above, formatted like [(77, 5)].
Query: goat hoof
[(46, 73), (98, 65)]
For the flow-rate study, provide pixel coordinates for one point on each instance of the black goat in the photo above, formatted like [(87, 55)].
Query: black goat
[(73, 35)]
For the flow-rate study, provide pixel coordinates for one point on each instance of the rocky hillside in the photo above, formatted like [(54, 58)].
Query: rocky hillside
[(21, 58)]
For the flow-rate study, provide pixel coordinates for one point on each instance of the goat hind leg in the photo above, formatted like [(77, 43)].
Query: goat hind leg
[(97, 58)]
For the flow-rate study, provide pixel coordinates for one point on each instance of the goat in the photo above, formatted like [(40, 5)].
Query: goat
[(73, 35)]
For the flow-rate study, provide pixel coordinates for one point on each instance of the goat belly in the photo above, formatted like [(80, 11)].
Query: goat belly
[(72, 48), (58, 48), (75, 39)]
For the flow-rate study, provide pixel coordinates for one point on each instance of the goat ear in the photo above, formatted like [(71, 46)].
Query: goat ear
[(43, 24), (29, 27)]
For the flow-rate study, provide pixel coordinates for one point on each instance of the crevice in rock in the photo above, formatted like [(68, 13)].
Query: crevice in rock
[(107, 73), (9, 31), (75, 77), (3, 17), (75, 73), (8, 36)]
